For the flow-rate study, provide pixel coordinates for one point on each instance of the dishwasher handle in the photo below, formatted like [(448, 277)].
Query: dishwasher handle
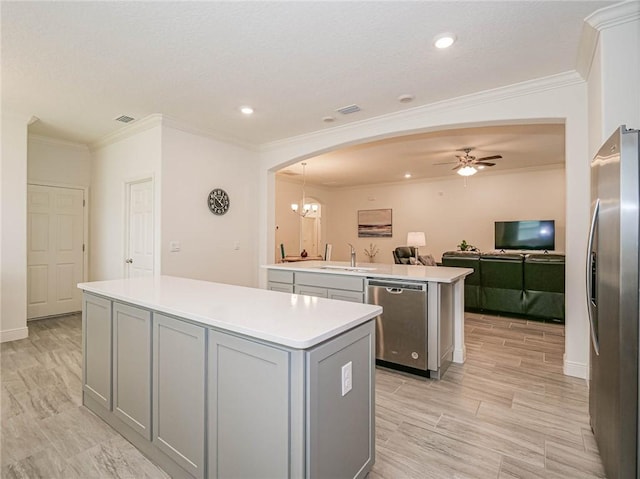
[(394, 290), (396, 287)]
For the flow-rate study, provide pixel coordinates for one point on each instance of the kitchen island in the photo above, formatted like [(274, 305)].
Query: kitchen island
[(338, 280), (214, 380)]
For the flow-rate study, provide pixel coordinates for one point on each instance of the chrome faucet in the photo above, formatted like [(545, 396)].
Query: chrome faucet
[(353, 256)]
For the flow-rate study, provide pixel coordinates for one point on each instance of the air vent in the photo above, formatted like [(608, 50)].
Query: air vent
[(346, 110), (124, 119)]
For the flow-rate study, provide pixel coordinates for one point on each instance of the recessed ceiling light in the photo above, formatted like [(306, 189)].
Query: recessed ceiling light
[(480, 167), (405, 98), (407, 175), (246, 110), (444, 40), (328, 119)]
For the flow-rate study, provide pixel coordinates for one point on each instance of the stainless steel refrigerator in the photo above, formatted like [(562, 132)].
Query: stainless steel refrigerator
[(612, 289)]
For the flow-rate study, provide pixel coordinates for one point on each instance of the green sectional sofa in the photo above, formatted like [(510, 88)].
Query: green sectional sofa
[(462, 259), (544, 285), (531, 285)]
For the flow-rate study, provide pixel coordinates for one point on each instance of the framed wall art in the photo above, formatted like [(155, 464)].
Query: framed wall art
[(374, 223)]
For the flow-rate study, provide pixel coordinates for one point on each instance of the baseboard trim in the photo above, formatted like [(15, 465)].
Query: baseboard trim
[(577, 370), (13, 334)]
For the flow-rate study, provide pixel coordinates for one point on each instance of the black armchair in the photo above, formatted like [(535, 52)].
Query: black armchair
[(407, 254), (403, 254)]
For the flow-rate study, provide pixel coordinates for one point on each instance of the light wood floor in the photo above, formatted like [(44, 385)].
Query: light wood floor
[(508, 412)]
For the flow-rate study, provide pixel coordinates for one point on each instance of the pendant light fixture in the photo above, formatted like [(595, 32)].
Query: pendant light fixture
[(306, 207)]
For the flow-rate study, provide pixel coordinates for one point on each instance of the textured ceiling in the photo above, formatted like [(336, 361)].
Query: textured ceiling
[(79, 65), (385, 161)]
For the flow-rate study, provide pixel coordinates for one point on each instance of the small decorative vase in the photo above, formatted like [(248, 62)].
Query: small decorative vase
[(304, 253)]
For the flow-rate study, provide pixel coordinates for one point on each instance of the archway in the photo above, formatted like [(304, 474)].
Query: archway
[(561, 99)]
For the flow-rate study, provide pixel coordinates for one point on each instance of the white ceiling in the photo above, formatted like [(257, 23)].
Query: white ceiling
[(79, 65), (385, 161)]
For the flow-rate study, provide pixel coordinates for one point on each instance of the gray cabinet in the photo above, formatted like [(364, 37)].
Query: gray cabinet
[(178, 392), (310, 290), (281, 287), (280, 281), (340, 425), (96, 345), (201, 402), (132, 367), (286, 409), (343, 295), (249, 384), (321, 285)]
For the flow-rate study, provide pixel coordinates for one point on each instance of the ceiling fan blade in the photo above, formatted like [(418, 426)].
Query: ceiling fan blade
[(494, 157), (459, 166), (446, 163), (483, 163)]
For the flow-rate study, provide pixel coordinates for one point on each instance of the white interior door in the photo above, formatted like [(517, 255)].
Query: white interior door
[(55, 236), (139, 258)]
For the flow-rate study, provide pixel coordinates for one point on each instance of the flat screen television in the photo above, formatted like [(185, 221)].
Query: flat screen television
[(525, 235)]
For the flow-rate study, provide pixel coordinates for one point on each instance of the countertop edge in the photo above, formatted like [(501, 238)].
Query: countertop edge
[(464, 272), (231, 327)]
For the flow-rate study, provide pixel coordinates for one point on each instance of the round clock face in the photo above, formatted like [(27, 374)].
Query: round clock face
[(218, 201)]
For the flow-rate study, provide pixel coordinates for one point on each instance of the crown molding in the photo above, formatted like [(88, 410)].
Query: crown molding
[(157, 119), (599, 20), (528, 87), (614, 15), (131, 129), (185, 127), (586, 50), (46, 140)]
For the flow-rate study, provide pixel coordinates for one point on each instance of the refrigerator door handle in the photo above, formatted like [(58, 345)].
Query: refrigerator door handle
[(589, 272)]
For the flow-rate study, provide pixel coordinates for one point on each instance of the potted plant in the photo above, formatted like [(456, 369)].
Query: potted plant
[(464, 246), (371, 252)]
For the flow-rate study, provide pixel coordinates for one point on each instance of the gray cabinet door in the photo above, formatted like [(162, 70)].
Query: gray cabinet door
[(178, 392), (132, 367), (96, 343), (342, 295), (340, 427), (310, 290), (249, 383), (282, 287)]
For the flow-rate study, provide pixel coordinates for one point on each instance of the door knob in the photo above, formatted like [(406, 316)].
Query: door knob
[(129, 260)]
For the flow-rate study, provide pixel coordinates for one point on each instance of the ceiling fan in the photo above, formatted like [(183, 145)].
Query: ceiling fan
[(468, 165)]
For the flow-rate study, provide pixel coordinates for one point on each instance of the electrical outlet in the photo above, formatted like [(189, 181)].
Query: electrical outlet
[(347, 378)]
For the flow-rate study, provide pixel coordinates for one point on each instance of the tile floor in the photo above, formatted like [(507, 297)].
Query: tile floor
[(508, 412)]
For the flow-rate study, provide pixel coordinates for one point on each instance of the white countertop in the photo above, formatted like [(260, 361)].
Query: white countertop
[(290, 320), (438, 274)]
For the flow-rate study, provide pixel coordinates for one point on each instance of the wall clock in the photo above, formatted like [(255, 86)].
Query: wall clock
[(218, 201)]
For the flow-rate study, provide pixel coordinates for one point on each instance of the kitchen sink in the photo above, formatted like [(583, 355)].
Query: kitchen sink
[(348, 268)]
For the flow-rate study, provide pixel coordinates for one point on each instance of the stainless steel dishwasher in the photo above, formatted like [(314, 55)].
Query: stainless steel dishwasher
[(401, 329)]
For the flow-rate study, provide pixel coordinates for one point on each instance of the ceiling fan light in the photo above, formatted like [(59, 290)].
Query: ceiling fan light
[(444, 40), (467, 171)]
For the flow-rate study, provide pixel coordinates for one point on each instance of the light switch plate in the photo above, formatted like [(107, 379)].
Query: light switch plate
[(347, 378), (174, 246)]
